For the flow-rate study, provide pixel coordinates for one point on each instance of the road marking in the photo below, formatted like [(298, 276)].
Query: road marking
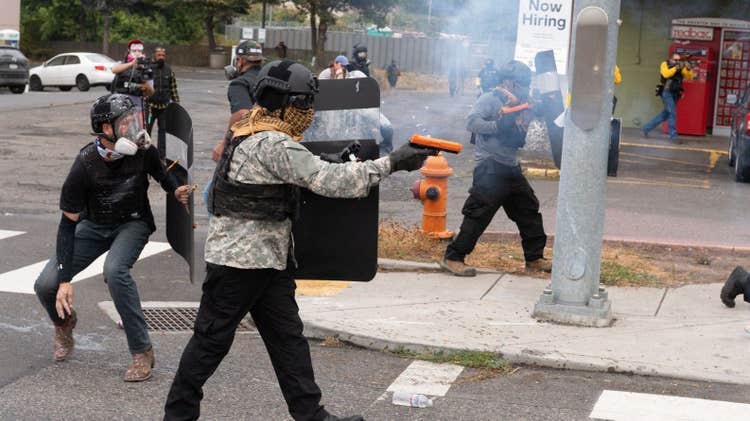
[(313, 288), (692, 164), (426, 378), (678, 148), (621, 406), (7, 234), (22, 280), (705, 185)]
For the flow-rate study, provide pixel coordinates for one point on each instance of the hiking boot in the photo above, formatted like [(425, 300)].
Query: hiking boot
[(539, 265), (140, 368), (734, 286), (64, 341), (457, 268), (351, 418)]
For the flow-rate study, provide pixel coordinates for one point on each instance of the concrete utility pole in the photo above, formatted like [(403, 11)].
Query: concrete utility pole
[(574, 296)]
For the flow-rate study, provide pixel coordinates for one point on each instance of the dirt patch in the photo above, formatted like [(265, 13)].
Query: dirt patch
[(623, 264)]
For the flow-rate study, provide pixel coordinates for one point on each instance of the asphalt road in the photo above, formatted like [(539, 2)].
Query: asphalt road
[(662, 193), (353, 380)]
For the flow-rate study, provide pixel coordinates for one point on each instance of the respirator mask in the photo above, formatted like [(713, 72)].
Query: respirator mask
[(231, 71), (129, 133)]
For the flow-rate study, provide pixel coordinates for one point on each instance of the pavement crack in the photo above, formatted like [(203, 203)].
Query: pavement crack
[(490, 288), (663, 296)]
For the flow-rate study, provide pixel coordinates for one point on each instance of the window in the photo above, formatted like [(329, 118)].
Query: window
[(99, 58), (72, 60), (57, 61), (12, 52)]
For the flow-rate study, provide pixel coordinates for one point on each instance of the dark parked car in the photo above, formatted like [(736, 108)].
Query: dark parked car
[(14, 69), (739, 138)]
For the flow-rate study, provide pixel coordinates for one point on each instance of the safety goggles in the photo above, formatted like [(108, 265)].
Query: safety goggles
[(302, 102)]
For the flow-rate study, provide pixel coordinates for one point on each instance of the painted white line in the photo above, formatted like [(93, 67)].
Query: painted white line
[(22, 280), (621, 406), (7, 234), (426, 378)]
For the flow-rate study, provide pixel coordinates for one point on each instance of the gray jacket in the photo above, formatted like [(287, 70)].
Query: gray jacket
[(495, 137)]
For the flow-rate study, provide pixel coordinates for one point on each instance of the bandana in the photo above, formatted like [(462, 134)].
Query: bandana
[(107, 153), (295, 122)]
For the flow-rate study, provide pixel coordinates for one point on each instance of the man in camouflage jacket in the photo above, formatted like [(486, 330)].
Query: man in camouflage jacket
[(249, 248)]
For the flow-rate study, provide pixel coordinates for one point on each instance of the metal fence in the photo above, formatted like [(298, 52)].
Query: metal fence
[(421, 55)]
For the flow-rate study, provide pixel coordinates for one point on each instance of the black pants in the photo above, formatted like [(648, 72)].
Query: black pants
[(495, 185), (228, 294)]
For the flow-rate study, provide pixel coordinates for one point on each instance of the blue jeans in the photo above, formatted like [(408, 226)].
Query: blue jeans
[(669, 113), (125, 243)]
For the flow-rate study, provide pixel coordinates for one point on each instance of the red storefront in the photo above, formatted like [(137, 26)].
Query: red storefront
[(720, 52)]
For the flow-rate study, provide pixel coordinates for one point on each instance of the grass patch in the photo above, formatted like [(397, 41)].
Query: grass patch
[(613, 273), (473, 359), (623, 263)]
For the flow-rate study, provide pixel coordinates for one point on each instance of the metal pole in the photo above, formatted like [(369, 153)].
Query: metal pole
[(263, 18), (574, 296)]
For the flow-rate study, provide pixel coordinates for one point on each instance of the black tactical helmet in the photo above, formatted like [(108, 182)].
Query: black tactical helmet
[(107, 108), (280, 81), (358, 49), (516, 71)]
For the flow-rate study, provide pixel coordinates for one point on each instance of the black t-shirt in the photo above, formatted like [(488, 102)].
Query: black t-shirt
[(240, 92), (78, 187)]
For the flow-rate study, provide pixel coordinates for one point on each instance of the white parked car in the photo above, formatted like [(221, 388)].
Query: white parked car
[(82, 70)]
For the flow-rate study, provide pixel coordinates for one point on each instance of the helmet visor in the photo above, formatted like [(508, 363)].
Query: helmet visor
[(128, 125)]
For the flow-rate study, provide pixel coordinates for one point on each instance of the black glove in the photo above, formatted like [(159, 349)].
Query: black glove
[(409, 158), (344, 156)]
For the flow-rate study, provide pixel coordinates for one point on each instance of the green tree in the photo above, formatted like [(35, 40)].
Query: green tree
[(321, 15), (211, 13)]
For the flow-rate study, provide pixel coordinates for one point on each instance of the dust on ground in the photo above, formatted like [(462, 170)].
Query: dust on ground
[(623, 263)]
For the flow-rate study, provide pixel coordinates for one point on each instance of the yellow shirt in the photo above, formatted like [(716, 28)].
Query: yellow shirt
[(668, 72)]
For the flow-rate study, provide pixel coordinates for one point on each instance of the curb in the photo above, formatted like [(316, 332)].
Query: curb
[(524, 357)]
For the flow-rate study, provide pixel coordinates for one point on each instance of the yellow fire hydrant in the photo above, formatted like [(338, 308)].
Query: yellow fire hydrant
[(433, 192)]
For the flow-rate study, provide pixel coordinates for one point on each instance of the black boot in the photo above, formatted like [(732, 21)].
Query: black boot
[(734, 286)]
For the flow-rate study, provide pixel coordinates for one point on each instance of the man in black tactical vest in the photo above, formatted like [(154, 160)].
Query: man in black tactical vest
[(105, 207), (165, 91)]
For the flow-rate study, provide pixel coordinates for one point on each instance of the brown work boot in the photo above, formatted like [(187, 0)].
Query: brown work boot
[(64, 341), (458, 267), (539, 265), (140, 369)]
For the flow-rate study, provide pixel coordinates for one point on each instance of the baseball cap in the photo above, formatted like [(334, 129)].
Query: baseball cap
[(341, 60)]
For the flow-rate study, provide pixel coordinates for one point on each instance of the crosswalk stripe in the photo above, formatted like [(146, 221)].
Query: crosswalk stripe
[(21, 280), (7, 234), (621, 406), (426, 378)]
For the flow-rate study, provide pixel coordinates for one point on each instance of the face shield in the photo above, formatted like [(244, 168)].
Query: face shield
[(129, 133)]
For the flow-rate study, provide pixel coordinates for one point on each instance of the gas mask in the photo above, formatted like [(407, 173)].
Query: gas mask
[(231, 71), (129, 134)]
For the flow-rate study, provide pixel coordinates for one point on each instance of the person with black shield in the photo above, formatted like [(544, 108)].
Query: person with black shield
[(165, 91), (105, 208), (500, 130), (249, 251)]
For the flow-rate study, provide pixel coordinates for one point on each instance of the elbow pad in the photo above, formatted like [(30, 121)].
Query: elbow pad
[(66, 234)]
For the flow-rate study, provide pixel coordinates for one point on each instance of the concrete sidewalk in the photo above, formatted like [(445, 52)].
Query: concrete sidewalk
[(683, 333)]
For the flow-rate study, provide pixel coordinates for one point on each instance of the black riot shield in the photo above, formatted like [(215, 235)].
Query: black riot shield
[(547, 86), (178, 153), (337, 239)]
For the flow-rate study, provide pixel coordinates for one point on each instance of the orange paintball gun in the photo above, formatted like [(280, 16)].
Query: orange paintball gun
[(425, 142)]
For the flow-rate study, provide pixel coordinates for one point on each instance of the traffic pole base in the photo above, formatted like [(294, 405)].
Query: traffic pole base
[(442, 235), (597, 313)]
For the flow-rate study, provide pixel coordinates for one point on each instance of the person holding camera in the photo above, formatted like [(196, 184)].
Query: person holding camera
[(165, 89), (134, 77), (672, 73)]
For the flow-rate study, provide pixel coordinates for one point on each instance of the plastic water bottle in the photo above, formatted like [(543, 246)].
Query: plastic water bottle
[(411, 399)]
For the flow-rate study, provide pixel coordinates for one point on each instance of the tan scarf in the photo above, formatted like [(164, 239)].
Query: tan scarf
[(259, 119)]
